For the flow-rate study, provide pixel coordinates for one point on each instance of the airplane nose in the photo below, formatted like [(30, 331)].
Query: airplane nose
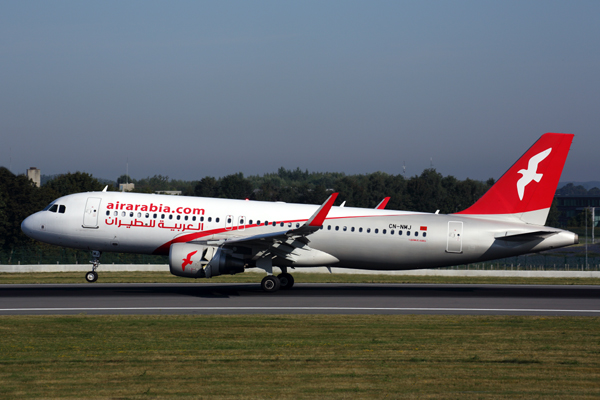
[(31, 225)]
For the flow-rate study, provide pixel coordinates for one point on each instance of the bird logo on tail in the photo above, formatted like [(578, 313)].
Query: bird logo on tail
[(531, 174)]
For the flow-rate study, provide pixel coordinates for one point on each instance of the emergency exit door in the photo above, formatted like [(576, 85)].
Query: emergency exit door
[(455, 230)]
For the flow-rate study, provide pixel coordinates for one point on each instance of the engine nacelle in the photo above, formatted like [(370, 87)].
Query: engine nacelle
[(198, 261)]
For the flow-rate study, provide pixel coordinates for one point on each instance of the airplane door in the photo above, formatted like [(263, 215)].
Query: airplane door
[(241, 222), (454, 244), (90, 215), (229, 222)]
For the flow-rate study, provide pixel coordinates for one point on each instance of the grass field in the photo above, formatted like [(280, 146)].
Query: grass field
[(251, 277), (299, 357)]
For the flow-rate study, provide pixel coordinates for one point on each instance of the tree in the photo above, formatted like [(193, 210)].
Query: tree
[(234, 187), (19, 198), (206, 187), (73, 183)]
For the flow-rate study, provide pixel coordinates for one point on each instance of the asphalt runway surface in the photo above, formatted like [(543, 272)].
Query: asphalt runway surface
[(248, 298)]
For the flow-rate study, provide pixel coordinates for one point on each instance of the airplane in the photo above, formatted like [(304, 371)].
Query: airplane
[(206, 237)]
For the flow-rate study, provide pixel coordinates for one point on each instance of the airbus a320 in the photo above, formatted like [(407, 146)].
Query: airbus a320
[(206, 237)]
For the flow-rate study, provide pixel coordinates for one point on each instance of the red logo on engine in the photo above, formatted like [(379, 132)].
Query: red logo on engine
[(188, 260)]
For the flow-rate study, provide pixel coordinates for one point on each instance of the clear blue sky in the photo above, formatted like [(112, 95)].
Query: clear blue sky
[(190, 88)]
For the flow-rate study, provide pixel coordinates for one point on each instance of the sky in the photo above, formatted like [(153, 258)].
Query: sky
[(189, 89)]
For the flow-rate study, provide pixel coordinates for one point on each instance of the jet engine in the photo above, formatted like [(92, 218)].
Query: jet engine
[(199, 261)]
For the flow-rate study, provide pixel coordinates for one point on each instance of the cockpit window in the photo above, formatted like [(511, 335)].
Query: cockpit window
[(53, 208), (48, 207), (62, 209)]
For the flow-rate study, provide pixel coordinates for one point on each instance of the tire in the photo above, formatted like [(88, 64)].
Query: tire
[(287, 281), (270, 284), (91, 276)]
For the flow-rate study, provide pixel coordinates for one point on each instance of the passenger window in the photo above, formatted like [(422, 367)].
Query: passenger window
[(217, 219), (274, 223), (209, 219), (155, 215), (281, 224), (368, 230), (384, 231), (123, 214), (116, 213), (201, 219), (352, 229), (170, 216), (162, 216), (241, 222), (399, 233), (266, 223), (417, 233), (250, 222), (297, 225), (194, 218), (289, 224), (108, 213), (258, 222), (337, 228), (53, 208), (228, 220), (360, 230), (392, 232), (345, 228), (139, 215), (186, 217), (178, 217), (424, 234), (147, 215), (407, 233), (131, 214), (328, 227), (376, 230)]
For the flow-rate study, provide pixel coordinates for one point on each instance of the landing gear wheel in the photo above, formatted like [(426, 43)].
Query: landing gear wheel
[(287, 280), (91, 276), (270, 284)]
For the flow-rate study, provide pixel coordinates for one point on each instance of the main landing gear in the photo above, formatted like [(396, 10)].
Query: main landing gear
[(92, 276), (272, 283)]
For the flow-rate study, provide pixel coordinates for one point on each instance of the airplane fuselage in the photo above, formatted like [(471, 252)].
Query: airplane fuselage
[(353, 237)]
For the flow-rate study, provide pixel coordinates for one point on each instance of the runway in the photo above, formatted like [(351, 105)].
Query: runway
[(245, 298)]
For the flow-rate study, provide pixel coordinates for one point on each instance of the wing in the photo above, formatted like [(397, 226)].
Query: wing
[(285, 243)]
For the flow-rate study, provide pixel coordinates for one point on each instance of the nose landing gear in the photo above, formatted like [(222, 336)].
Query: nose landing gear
[(92, 276)]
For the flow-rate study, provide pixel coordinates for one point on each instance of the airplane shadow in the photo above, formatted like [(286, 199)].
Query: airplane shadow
[(237, 290)]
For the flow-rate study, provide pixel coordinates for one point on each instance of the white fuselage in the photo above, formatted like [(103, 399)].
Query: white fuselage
[(357, 237)]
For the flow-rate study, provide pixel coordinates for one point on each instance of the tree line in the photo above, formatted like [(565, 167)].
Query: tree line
[(428, 192)]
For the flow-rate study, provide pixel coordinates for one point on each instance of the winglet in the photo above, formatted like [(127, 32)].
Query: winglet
[(320, 215), (383, 203), (314, 223)]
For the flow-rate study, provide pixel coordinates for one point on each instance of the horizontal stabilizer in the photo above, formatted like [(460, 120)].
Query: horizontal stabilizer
[(519, 236)]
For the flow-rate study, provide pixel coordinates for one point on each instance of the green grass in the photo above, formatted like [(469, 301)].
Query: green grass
[(252, 277), (299, 357)]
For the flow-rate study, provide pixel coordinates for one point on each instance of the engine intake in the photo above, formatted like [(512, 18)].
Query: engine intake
[(198, 261)]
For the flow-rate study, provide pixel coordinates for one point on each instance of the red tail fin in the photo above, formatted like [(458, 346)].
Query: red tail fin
[(526, 190)]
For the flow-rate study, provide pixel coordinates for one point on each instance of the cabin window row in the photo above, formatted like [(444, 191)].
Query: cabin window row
[(251, 222), (376, 231), (155, 216)]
